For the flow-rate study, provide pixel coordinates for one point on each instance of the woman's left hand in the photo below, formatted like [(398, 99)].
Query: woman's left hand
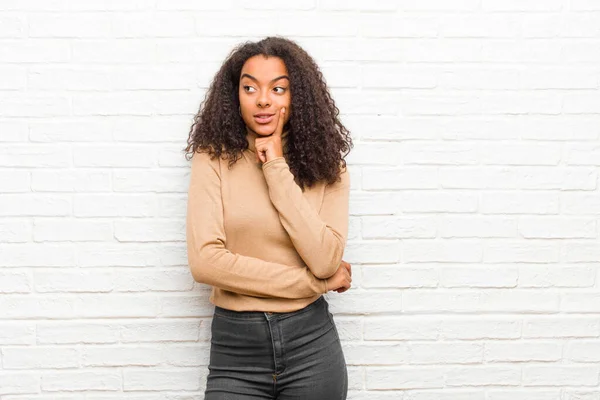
[(348, 266), (270, 147)]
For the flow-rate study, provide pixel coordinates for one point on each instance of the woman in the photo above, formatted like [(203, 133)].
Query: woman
[(267, 223)]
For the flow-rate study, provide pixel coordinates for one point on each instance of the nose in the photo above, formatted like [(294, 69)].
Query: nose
[(263, 100)]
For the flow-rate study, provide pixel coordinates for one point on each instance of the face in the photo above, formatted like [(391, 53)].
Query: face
[(264, 89)]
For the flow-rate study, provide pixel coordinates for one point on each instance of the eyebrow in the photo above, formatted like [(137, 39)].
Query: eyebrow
[(272, 80)]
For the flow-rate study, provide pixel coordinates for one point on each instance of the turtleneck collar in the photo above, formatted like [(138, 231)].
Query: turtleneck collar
[(251, 136)]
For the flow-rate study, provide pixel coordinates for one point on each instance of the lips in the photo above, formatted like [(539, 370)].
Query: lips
[(263, 118)]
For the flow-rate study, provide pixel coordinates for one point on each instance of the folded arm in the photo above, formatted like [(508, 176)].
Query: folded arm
[(319, 236)]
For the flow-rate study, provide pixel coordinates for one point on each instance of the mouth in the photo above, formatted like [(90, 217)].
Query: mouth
[(263, 118)]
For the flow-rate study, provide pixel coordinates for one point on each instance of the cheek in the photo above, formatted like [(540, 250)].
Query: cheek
[(287, 103), (243, 99), (245, 108)]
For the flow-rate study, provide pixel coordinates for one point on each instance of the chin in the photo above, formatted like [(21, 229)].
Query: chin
[(263, 129)]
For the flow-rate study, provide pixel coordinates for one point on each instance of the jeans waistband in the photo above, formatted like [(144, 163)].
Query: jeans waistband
[(261, 315)]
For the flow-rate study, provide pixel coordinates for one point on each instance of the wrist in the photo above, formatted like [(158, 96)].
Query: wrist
[(273, 161)]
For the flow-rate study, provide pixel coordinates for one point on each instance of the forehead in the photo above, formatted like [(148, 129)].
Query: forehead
[(263, 68)]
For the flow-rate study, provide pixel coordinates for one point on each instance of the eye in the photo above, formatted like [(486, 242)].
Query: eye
[(282, 89), (246, 86)]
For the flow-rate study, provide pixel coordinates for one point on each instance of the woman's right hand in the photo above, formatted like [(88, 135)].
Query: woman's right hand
[(342, 279)]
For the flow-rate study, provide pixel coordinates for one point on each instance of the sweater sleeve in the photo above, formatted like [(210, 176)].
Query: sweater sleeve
[(319, 236), (211, 263)]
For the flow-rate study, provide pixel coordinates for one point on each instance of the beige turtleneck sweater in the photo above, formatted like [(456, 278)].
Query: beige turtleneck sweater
[(260, 241)]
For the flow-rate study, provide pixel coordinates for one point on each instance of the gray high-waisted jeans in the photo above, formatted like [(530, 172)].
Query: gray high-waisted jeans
[(284, 356)]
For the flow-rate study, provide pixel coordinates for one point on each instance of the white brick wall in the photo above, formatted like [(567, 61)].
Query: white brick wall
[(475, 200)]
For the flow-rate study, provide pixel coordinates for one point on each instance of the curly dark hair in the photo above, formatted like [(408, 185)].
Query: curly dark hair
[(317, 141)]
